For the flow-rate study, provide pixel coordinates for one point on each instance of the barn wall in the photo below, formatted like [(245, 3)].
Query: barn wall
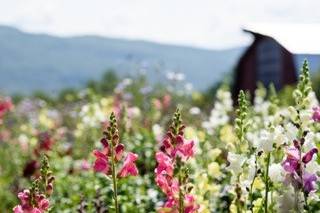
[(246, 72), (289, 72)]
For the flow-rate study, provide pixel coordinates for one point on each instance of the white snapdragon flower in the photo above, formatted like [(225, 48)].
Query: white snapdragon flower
[(265, 141), (236, 162), (279, 136), (313, 99), (309, 141), (305, 116), (291, 131), (253, 138), (276, 172), (251, 168)]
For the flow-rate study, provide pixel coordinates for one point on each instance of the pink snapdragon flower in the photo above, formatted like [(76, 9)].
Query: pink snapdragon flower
[(316, 114), (178, 145), (36, 199), (294, 167), (291, 163), (39, 204), (171, 160), (113, 152), (190, 204), (164, 164), (101, 163), (129, 167), (108, 159)]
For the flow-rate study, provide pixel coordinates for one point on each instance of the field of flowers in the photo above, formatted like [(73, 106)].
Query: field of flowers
[(158, 149)]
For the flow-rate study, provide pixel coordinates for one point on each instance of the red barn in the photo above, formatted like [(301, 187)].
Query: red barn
[(276, 55)]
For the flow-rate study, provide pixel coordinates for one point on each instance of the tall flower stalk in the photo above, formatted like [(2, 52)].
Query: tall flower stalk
[(36, 199), (296, 159), (111, 155), (237, 160), (172, 173)]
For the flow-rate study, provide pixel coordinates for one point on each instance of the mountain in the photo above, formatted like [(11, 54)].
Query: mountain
[(30, 62)]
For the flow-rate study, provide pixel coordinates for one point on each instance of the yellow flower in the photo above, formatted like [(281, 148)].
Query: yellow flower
[(190, 133), (257, 204), (214, 170), (228, 136), (258, 184), (45, 120), (201, 136), (214, 153)]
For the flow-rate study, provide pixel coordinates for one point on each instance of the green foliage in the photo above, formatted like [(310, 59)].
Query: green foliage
[(303, 88), (241, 122)]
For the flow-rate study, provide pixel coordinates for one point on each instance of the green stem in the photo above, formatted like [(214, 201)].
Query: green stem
[(114, 180), (267, 184), (238, 196), (181, 198), (251, 195), (251, 186)]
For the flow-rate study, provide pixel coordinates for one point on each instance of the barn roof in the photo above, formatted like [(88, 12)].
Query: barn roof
[(297, 38)]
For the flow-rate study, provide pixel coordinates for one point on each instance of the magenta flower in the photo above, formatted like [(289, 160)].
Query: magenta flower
[(101, 163), (178, 145), (129, 167), (108, 159), (40, 205), (309, 182), (316, 114), (295, 163), (185, 149), (190, 204), (36, 200), (291, 164), (171, 169), (308, 156), (292, 161), (119, 151), (164, 164), (103, 158)]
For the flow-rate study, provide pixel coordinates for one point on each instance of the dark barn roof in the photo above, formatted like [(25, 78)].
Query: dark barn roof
[(282, 49)]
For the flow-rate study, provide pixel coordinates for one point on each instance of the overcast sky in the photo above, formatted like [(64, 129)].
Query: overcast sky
[(202, 23)]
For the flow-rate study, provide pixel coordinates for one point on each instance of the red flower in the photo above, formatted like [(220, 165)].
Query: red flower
[(129, 167), (101, 164), (119, 151), (5, 106)]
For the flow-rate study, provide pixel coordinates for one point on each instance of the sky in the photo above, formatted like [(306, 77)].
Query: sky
[(213, 24)]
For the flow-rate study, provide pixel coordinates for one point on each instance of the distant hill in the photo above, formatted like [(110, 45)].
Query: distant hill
[(30, 62)]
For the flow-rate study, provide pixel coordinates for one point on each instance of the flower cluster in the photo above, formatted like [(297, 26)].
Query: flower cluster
[(36, 199), (172, 173), (112, 152), (5, 106), (294, 165), (108, 158)]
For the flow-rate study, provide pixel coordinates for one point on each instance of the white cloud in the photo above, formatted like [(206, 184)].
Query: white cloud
[(206, 23)]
